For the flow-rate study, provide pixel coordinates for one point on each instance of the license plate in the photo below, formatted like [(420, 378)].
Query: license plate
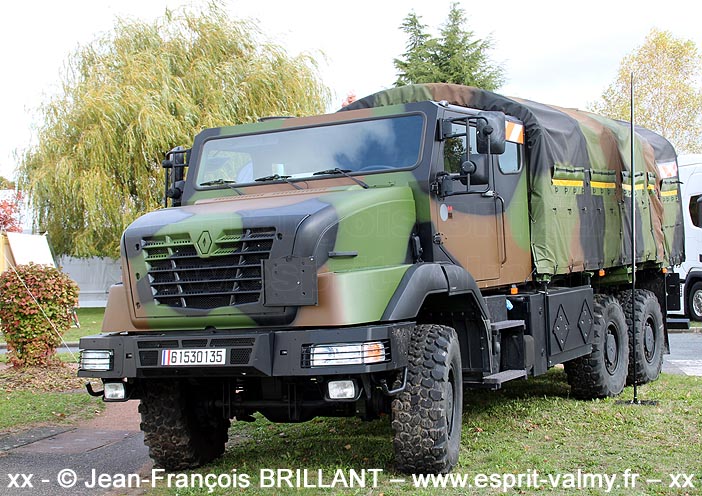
[(196, 356)]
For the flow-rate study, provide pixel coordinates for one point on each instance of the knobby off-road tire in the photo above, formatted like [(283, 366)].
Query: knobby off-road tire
[(603, 372), (178, 429), (427, 415), (646, 359)]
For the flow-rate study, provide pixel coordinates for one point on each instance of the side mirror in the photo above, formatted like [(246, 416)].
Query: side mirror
[(175, 163), (481, 174), (491, 132), (699, 209)]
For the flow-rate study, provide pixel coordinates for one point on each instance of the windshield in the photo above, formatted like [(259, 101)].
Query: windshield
[(361, 146)]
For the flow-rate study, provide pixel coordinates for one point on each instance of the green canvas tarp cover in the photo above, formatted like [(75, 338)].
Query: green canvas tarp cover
[(579, 179)]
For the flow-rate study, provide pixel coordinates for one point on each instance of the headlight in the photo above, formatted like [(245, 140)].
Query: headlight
[(96, 360), (114, 391), (341, 390), (348, 354)]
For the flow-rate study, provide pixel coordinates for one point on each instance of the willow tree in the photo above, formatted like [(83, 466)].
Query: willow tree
[(667, 94), (133, 94)]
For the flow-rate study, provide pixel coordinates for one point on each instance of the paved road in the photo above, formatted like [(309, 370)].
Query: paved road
[(112, 443), (685, 354), (108, 444)]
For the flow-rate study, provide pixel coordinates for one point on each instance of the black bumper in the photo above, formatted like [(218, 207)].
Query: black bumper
[(271, 353)]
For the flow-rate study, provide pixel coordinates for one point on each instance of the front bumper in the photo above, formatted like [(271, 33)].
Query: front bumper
[(270, 353)]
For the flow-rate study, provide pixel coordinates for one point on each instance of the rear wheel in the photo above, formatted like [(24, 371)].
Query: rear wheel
[(427, 415), (646, 358), (603, 372), (179, 428)]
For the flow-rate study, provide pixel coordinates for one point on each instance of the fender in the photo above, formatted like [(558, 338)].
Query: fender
[(460, 291), (692, 274), (424, 279)]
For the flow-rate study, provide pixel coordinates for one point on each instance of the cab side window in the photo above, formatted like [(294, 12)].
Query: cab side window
[(455, 148), (511, 160), (693, 210)]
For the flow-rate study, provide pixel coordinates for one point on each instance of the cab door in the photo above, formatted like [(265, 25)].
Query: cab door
[(485, 227), (467, 222)]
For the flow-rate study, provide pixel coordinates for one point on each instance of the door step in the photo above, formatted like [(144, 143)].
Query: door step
[(678, 323), (495, 381)]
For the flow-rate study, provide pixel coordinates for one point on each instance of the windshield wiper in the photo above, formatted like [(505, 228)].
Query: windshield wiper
[(341, 172), (278, 177), (221, 182)]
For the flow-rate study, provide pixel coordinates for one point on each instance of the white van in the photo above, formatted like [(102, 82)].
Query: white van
[(690, 173)]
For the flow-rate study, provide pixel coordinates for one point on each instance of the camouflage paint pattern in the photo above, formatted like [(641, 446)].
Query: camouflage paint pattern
[(578, 168), (564, 211), (376, 223)]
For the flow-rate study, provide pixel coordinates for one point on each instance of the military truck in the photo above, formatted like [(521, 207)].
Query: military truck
[(380, 260)]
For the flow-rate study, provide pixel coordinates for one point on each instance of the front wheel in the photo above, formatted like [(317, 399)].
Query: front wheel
[(179, 428), (694, 302), (427, 415)]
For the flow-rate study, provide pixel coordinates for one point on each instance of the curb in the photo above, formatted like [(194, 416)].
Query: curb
[(691, 330)]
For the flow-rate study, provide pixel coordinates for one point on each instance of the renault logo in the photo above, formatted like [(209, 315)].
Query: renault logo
[(204, 243)]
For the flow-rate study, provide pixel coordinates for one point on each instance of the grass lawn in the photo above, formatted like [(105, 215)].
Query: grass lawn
[(528, 426), (36, 395), (25, 408), (52, 395), (90, 323)]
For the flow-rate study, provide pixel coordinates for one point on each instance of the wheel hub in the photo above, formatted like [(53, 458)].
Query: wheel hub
[(649, 340), (697, 302), (611, 351), (449, 406)]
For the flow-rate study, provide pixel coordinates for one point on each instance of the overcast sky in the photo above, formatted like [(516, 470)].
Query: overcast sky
[(558, 52)]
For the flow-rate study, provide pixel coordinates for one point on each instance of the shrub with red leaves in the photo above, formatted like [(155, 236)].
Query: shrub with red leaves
[(10, 213), (36, 302)]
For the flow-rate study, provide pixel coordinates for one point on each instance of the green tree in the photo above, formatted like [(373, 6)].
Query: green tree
[(456, 56), (667, 92), (135, 93), (6, 183), (417, 64)]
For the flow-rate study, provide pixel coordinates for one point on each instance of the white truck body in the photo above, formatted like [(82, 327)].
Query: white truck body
[(690, 271)]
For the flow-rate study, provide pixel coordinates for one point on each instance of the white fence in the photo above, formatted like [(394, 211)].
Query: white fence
[(94, 277)]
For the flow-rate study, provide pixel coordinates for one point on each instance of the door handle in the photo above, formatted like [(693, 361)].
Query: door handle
[(503, 229)]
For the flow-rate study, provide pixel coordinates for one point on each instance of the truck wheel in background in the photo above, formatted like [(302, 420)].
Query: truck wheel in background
[(603, 372), (427, 415), (178, 429), (648, 355), (694, 302)]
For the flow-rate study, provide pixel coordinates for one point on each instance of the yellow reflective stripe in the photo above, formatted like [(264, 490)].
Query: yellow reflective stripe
[(669, 193), (566, 182), (638, 187), (600, 184)]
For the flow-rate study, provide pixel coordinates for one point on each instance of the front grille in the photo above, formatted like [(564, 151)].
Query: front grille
[(229, 276), (239, 356), (148, 358), (158, 344), (232, 342)]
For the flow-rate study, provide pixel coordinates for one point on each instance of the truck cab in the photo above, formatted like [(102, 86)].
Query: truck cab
[(690, 271)]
